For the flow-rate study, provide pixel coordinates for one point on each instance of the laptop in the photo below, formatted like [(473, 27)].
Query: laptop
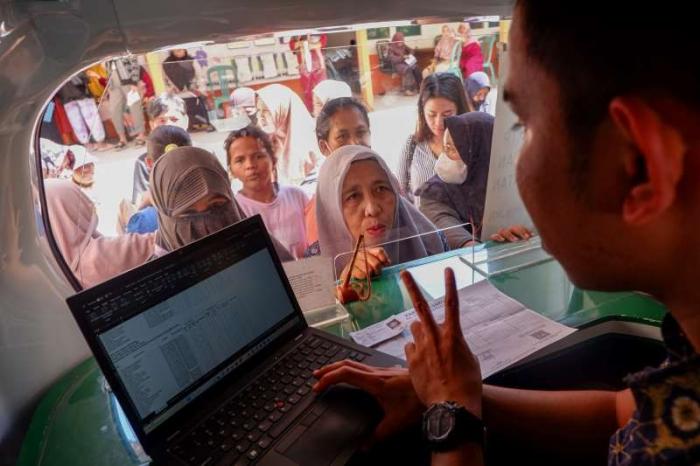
[(209, 355)]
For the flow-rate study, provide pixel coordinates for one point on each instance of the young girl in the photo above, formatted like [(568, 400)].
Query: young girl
[(251, 160), (441, 96)]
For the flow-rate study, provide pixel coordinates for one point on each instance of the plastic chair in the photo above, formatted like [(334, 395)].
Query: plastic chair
[(455, 57), (487, 44), (219, 75)]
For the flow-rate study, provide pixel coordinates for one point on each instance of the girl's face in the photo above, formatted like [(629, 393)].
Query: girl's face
[(435, 111), (180, 53), (449, 145), (250, 163), (347, 126), (368, 202)]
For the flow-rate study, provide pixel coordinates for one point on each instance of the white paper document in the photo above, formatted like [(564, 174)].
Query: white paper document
[(431, 277), (312, 282), (499, 330)]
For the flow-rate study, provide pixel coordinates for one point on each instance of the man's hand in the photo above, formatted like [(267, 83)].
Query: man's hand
[(391, 387), (441, 366)]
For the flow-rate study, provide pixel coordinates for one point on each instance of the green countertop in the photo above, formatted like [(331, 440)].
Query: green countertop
[(78, 422)]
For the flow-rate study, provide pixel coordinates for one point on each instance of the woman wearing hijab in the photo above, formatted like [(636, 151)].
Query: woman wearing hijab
[(328, 90), (192, 193), (457, 193), (471, 60), (92, 258), (443, 52), (193, 196), (182, 72), (404, 63), (283, 116), (358, 195)]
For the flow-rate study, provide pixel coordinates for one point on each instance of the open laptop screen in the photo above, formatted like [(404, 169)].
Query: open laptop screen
[(174, 333)]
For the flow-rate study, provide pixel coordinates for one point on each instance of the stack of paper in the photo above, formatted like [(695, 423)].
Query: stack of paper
[(499, 330)]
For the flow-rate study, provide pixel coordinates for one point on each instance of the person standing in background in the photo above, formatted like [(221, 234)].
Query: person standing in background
[(124, 92), (472, 60), (312, 64)]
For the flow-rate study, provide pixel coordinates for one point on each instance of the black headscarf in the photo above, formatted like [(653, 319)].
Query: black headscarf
[(180, 71), (471, 133)]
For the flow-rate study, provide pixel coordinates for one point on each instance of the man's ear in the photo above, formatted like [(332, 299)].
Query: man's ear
[(654, 163)]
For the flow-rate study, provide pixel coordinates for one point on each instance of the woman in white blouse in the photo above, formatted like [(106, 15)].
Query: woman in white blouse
[(441, 96)]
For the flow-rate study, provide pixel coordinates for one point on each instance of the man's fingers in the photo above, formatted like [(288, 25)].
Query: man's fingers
[(410, 350), (417, 331), (345, 362), (420, 304), (350, 375), (451, 303)]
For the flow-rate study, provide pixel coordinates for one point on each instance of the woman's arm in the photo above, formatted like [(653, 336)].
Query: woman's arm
[(405, 168), (444, 216)]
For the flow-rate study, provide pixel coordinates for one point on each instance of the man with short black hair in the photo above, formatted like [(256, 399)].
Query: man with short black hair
[(610, 173)]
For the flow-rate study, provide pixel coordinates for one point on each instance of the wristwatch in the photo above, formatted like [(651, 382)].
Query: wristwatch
[(447, 425)]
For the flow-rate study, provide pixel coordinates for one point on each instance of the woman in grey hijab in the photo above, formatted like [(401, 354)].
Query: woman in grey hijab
[(193, 196), (358, 194)]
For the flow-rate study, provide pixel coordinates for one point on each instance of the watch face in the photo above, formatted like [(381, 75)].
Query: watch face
[(439, 423)]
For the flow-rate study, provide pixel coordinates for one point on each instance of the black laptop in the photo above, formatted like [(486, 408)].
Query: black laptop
[(211, 359)]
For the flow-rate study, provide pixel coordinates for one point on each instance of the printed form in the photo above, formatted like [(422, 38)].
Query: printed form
[(499, 330)]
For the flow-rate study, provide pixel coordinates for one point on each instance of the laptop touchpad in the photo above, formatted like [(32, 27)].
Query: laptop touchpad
[(338, 432)]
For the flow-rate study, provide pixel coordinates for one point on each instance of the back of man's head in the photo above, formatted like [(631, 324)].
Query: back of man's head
[(601, 49)]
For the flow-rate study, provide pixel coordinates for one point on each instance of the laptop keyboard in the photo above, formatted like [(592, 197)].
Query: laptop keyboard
[(243, 429)]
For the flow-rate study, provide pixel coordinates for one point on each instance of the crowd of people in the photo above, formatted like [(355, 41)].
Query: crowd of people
[(606, 172), (314, 179), (458, 53)]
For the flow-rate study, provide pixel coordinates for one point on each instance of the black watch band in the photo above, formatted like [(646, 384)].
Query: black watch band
[(448, 425)]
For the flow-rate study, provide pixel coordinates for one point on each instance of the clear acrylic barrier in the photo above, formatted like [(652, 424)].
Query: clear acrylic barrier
[(407, 247), (492, 259)]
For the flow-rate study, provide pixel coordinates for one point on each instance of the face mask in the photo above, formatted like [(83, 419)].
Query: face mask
[(450, 171)]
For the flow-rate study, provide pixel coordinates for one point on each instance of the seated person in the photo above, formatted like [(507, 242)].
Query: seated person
[(457, 193), (251, 160), (478, 86), (471, 60), (163, 139), (404, 63), (341, 122), (326, 90), (193, 197), (358, 195), (92, 257), (443, 52)]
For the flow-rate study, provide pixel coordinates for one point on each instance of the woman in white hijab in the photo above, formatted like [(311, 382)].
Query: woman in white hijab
[(283, 116), (329, 90), (92, 257), (358, 195)]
